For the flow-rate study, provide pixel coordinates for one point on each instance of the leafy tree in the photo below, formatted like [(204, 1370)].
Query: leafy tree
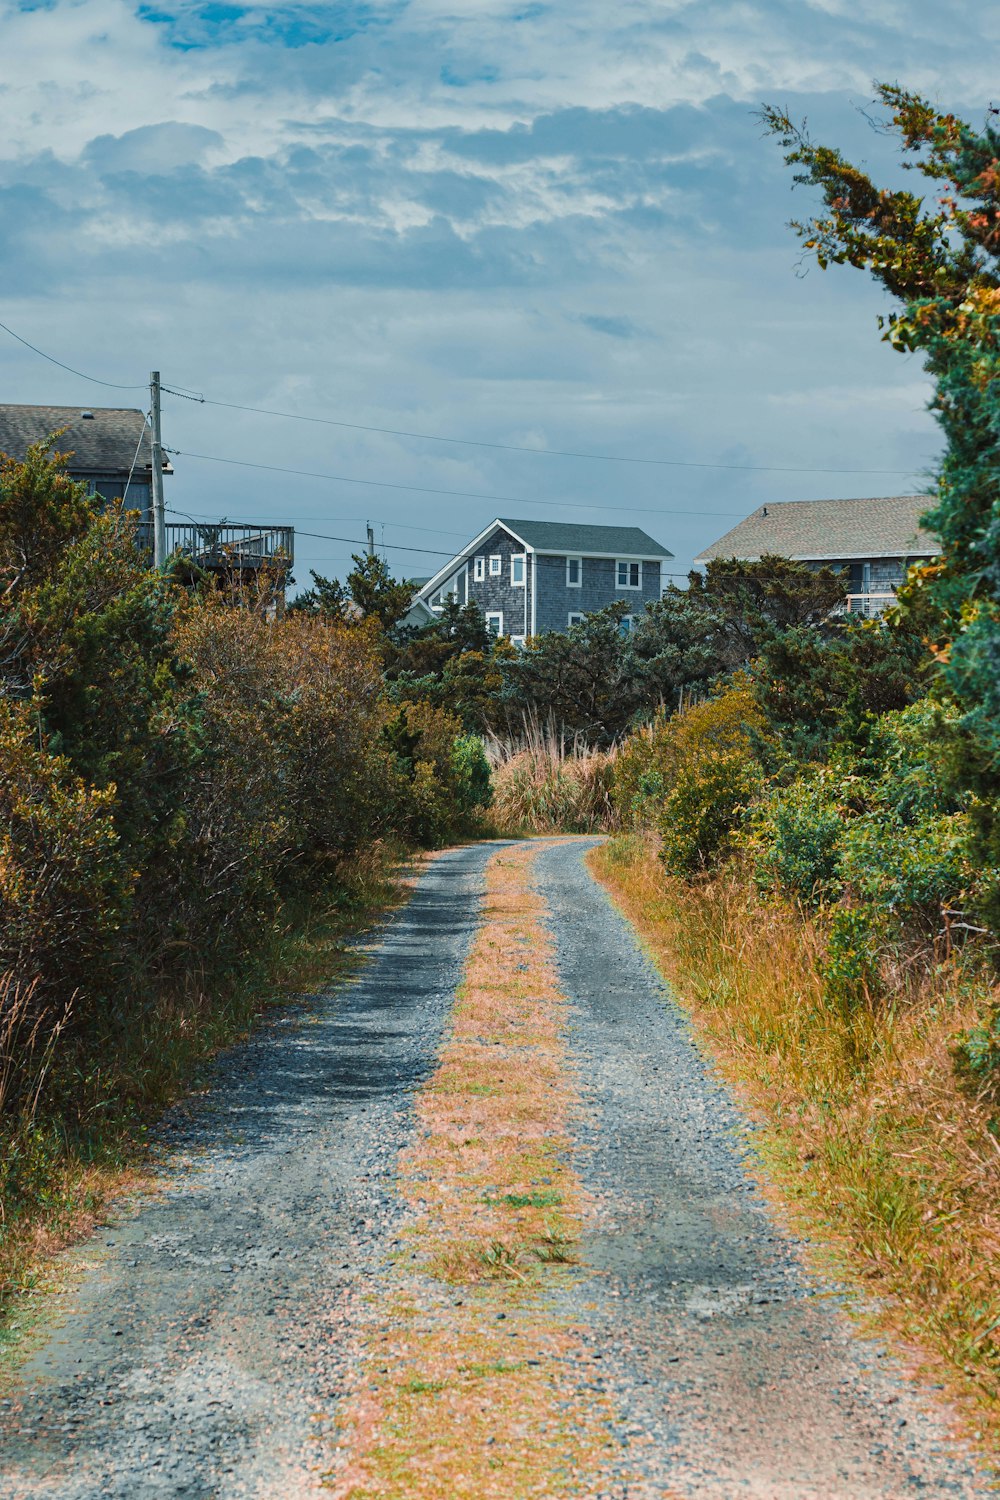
[(370, 588), (582, 679), (940, 264)]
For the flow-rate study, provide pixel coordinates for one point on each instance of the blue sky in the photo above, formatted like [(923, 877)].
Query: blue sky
[(540, 225)]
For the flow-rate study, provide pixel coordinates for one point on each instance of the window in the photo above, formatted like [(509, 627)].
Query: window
[(517, 640), (517, 563), (625, 624), (630, 575), (494, 622), (574, 572), (479, 569), (496, 567), (575, 618)]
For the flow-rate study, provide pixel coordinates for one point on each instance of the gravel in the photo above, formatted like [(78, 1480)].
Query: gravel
[(203, 1347), (212, 1325), (736, 1371)]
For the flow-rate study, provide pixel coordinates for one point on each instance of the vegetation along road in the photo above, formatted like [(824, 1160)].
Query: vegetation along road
[(480, 1223)]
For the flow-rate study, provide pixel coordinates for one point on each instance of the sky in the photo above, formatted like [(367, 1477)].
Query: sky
[(519, 224)]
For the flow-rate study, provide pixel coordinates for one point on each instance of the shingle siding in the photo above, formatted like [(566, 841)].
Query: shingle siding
[(498, 593), (599, 588)]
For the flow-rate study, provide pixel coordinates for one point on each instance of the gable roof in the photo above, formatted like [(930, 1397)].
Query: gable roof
[(103, 443), (558, 537), (830, 531), (567, 536)]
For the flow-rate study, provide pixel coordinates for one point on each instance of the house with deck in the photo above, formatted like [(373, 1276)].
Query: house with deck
[(875, 541), (529, 577), (110, 451)]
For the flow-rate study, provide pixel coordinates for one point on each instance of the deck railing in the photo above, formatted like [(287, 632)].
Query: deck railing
[(227, 546), (869, 605)]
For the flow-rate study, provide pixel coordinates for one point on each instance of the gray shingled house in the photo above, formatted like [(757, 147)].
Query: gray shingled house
[(107, 445), (875, 540), (531, 576), (111, 452)]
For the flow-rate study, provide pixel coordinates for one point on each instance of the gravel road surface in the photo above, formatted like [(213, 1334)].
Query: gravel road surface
[(211, 1327), (196, 1349), (737, 1372)]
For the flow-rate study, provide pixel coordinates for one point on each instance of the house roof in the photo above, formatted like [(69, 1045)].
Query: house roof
[(559, 537), (830, 531), (567, 536), (103, 443)]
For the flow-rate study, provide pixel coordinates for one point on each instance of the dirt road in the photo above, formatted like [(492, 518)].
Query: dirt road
[(332, 1228)]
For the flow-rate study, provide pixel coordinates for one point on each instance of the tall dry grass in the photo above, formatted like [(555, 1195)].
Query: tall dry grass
[(547, 782), (876, 1143)]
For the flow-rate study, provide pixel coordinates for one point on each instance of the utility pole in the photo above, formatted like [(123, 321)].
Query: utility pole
[(371, 539), (159, 525)]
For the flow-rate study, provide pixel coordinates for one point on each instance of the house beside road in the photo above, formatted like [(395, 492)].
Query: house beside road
[(875, 540), (528, 577)]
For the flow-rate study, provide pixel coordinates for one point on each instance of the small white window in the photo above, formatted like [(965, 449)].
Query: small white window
[(574, 572), (630, 575), (479, 569), (517, 640), (494, 622), (575, 618), (517, 570), (625, 624), (496, 567)]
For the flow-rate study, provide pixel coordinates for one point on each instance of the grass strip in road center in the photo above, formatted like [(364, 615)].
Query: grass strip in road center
[(471, 1383)]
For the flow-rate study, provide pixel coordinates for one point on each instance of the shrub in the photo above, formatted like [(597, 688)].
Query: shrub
[(708, 760), (796, 838), (65, 880)]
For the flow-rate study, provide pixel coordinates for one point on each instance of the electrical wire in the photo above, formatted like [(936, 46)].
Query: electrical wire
[(321, 536), (608, 458), (360, 520), (135, 457), (423, 489), (111, 384)]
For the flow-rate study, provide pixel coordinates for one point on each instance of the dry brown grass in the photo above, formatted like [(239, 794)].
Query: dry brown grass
[(878, 1149), (470, 1381), (544, 782)]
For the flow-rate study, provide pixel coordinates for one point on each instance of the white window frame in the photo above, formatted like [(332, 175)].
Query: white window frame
[(626, 625), (522, 558), (496, 567), (479, 569), (495, 614), (517, 640), (579, 568), (575, 617), (628, 563)]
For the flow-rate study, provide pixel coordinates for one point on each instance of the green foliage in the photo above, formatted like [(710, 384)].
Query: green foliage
[(694, 774), (370, 592), (797, 838), (938, 257)]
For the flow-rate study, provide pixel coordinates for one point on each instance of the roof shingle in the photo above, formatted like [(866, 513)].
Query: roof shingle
[(103, 443), (565, 536), (830, 531)]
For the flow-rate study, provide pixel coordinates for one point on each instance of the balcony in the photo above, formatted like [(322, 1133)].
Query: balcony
[(227, 548), (869, 605)]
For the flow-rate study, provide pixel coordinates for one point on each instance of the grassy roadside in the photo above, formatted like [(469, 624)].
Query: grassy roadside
[(877, 1149), (60, 1168)]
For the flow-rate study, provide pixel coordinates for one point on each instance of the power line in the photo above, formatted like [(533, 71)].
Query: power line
[(111, 384), (401, 525), (321, 536), (609, 458), (423, 489)]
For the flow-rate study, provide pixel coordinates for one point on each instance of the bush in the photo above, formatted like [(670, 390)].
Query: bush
[(796, 839), (694, 775)]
